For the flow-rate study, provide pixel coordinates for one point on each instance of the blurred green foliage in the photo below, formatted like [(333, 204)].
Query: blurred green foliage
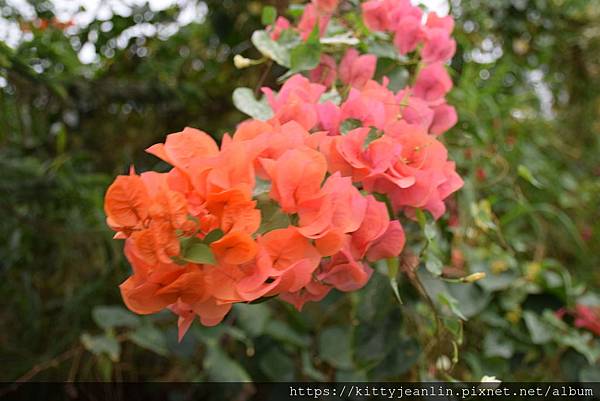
[(527, 89)]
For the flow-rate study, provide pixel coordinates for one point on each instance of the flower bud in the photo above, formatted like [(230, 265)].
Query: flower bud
[(241, 62), (471, 278)]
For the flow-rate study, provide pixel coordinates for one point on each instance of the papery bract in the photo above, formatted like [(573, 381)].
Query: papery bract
[(432, 84), (325, 73), (281, 24), (439, 46), (355, 69)]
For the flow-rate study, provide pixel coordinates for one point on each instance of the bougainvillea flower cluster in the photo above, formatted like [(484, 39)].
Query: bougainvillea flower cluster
[(302, 202)]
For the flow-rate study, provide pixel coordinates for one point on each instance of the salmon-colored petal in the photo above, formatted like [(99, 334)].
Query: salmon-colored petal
[(389, 245), (250, 129), (183, 148), (313, 291), (296, 175), (235, 248), (241, 216), (210, 312), (189, 287), (126, 202), (170, 206), (186, 317), (142, 298), (373, 226), (330, 243), (286, 246), (233, 168)]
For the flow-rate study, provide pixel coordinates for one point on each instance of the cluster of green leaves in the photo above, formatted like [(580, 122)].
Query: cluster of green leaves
[(527, 89)]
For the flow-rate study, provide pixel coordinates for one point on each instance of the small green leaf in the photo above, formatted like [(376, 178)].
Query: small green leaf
[(392, 264), (196, 251), (433, 264), (105, 367), (213, 236), (309, 370), (541, 332), (335, 347), (244, 101), (349, 124), (272, 217), (343, 39), (451, 302), (102, 344), (108, 317), (261, 187), (373, 135), (269, 14), (383, 49), (401, 358), (221, 368), (331, 96), (307, 55), (151, 338), (430, 231), (283, 332), (253, 318), (495, 344), (277, 365), (526, 174), (454, 326), (270, 48)]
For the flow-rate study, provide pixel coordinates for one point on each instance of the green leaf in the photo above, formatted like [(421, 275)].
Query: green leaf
[(309, 370), (108, 317), (221, 368), (253, 318), (213, 236), (430, 231), (393, 266), (342, 376), (277, 365), (455, 326), (269, 14), (296, 10), (105, 366), (373, 135), (261, 187), (471, 298), (383, 49), (590, 374), (349, 124), (151, 338), (526, 174), (580, 342), (307, 55), (196, 251), (283, 332), (448, 300), (495, 344), (331, 96), (244, 101), (270, 48), (540, 331), (343, 39), (335, 347), (433, 264), (102, 344), (272, 217), (398, 361)]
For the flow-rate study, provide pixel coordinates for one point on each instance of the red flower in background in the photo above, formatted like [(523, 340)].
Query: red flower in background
[(586, 317)]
